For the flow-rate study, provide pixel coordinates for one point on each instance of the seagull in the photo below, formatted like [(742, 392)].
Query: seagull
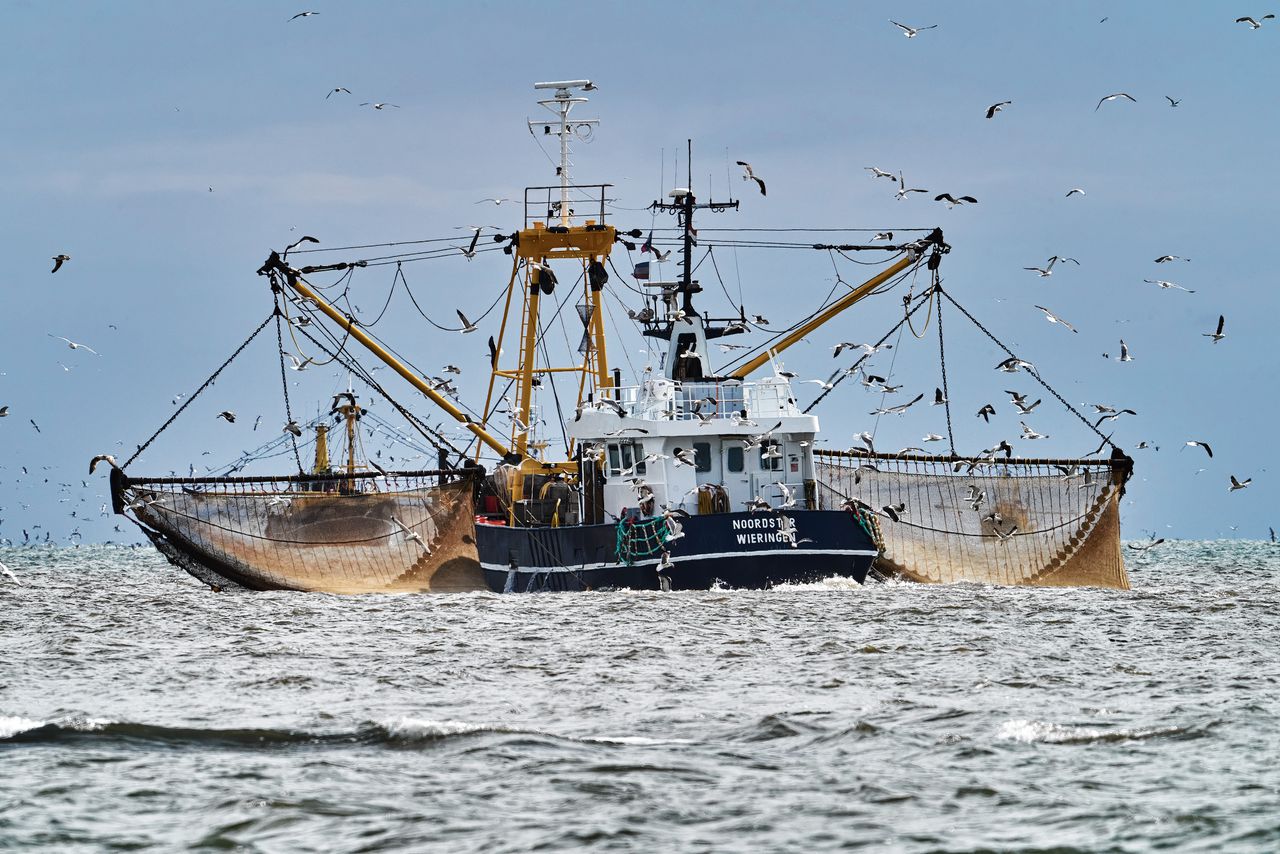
[(1173, 102), (986, 412), (1053, 318), (1124, 353), (227, 415), (1006, 535), (58, 261), (1191, 443), (1075, 190), (1150, 545), (452, 369), (995, 108), (684, 458), (1113, 416), (1113, 97), (102, 458), (883, 235), (1013, 363), (1217, 335), (1239, 484), (380, 105), (410, 534), (1253, 25), (879, 173), (1028, 433), (868, 349), (9, 573), (336, 90), (826, 386), (1046, 270), (899, 409), (911, 32), (1026, 408), (894, 511), (74, 346), (751, 176), (1163, 258), (297, 365), (902, 189), (759, 320), (938, 398), (4, 411), (932, 437), (292, 427), (1167, 285), (496, 202), (303, 15), (467, 325), (952, 201)]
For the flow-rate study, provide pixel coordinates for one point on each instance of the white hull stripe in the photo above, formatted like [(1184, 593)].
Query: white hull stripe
[(679, 559)]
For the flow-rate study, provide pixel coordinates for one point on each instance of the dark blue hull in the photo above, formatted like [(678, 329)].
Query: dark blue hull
[(736, 550)]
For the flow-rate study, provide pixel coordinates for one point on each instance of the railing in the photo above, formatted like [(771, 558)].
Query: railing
[(691, 401), (542, 204)]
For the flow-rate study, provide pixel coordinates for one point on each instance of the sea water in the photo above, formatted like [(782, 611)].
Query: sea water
[(139, 710)]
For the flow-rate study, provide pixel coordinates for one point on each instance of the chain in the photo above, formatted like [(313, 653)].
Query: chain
[(192, 398), (840, 376), (284, 382), (942, 360), (1106, 440)]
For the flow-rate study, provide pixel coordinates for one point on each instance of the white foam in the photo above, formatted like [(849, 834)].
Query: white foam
[(11, 725), (1044, 732), (407, 727)]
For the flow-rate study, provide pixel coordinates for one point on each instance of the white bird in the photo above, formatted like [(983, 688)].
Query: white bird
[(1075, 190), (788, 497), (751, 176), (684, 457), (410, 534), (297, 365), (380, 105), (102, 458), (995, 108), (1192, 443), (883, 235), (911, 32), (1239, 484), (879, 173), (1124, 356), (952, 201), (467, 325), (1173, 102), (1113, 97), (1028, 433), (1253, 24), (9, 573), (1046, 270), (1163, 258), (496, 202), (1006, 535), (303, 15), (903, 190), (74, 345), (899, 409), (1165, 285), (1217, 335), (933, 437), (292, 427), (938, 398), (867, 349), (336, 90), (1053, 318), (1013, 363)]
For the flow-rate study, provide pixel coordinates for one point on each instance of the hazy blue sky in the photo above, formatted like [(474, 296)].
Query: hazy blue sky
[(119, 118)]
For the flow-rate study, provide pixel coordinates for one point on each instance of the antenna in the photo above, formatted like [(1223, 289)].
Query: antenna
[(560, 105)]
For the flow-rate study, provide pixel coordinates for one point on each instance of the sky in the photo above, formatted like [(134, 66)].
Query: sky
[(168, 147)]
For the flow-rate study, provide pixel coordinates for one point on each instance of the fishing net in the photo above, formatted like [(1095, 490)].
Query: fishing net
[(401, 532), (1012, 521)]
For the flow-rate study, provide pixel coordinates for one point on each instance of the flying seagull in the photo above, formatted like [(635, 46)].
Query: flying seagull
[(303, 15), (379, 105), (1075, 190), (1194, 444), (883, 235), (227, 415), (902, 189), (1047, 269), (952, 201), (1239, 484), (911, 32), (751, 176), (1113, 97), (899, 409), (1053, 318), (467, 325), (292, 427), (336, 90), (1172, 101), (1124, 352), (74, 346), (102, 458), (879, 173), (1217, 335), (1013, 363), (995, 108), (1163, 258), (986, 412), (1253, 25), (938, 398), (58, 261), (1167, 285), (496, 202)]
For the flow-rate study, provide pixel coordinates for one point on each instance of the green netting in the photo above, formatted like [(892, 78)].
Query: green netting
[(641, 539)]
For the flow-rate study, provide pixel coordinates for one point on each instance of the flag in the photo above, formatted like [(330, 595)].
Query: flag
[(641, 271), (692, 233), (647, 246)]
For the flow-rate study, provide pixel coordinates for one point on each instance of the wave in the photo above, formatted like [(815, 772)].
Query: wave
[(401, 732), (1044, 732)]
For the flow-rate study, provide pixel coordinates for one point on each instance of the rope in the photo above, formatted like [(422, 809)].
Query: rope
[(942, 360), (284, 383), (1106, 440), (276, 314), (840, 376)]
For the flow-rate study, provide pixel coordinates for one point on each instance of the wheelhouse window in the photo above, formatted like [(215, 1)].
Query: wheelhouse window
[(626, 458), (735, 459), (770, 456)]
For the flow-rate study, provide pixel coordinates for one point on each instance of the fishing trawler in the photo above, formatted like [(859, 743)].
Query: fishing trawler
[(684, 477)]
